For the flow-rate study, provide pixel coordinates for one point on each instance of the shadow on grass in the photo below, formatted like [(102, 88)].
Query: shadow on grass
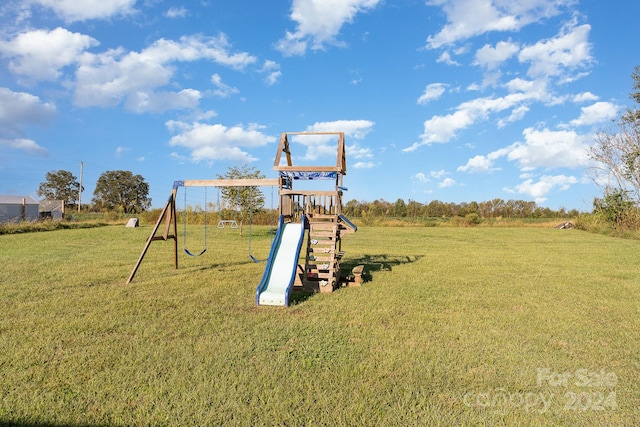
[(373, 263)]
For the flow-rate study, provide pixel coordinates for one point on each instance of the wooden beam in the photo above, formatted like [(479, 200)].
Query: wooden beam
[(283, 146), (314, 133), (169, 214), (257, 182), (307, 193), (308, 168)]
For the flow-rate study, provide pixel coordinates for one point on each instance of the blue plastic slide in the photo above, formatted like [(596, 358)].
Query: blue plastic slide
[(280, 272)]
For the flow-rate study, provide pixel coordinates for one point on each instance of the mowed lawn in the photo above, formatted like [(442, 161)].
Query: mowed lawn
[(454, 326)]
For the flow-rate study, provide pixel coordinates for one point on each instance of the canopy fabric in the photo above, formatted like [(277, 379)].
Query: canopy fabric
[(309, 175)]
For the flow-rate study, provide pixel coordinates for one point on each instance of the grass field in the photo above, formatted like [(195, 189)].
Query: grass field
[(455, 326)]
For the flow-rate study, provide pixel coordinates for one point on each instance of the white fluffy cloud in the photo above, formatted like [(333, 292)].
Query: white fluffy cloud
[(568, 51), (207, 142), (539, 190), (108, 78), (76, 10), (319, 22), (432, 92), (596, 113), (42, 54), (491, 57), (468, 18), (440, 129), (549, 149), (544, 149)]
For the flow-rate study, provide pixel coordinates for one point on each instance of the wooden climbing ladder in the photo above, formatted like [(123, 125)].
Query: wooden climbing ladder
[(322, 264)]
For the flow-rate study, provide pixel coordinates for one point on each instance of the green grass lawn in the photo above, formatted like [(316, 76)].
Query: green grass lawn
[(455, 326)]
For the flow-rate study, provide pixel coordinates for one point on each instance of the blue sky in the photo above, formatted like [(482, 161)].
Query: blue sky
[(454, 100)]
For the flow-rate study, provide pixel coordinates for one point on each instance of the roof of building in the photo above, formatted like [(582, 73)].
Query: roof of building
[(17, 200)]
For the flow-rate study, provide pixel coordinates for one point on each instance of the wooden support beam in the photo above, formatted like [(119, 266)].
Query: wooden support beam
[(169, 215), (308, 168), (307, 193), (264, 182)]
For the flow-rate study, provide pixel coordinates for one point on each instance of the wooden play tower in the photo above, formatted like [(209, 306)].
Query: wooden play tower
[(322, 208)]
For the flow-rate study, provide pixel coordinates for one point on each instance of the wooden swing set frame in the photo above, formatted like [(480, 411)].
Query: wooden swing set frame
[(288, 197), (169, 217)]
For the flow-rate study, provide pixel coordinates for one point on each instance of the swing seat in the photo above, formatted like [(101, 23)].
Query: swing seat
[(186, 251), (254, 259), (232, 223)]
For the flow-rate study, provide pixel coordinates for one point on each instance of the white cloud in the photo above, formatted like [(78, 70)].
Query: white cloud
[(207, 142), (108, 78), (549, 149), (546, 149), (75, 10), (596, 113), (568, 51), (438, 174), (176, 12), (354, 151), (585, 97), (272, 70), (28, 146), (491, 57), (447, 59), (356, 129), (483, 164), (421, 177), (439, 129), (20, 108), (17, 111), (468, 18), (42, 54), (443, 128), (516, 114), (319, 22), (432, 92), (547, 183), (364, 165), (447, 182), (478, 164), (223, 90), (160, 101)]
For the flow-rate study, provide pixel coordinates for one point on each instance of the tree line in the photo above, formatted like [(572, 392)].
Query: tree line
[(496, 208)]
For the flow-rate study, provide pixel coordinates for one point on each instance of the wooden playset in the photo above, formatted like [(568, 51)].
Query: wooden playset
[(319, 213)]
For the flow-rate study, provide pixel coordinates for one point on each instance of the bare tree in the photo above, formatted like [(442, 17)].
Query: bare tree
[(616, 151), (617, 155)]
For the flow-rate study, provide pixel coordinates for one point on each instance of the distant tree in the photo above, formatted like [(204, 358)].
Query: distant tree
[(246, 199), (400, 208), (121, 190), (616, 154), (60, 185)]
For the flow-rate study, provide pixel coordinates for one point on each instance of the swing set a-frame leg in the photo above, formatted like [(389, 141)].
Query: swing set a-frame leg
[(169, 211)]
